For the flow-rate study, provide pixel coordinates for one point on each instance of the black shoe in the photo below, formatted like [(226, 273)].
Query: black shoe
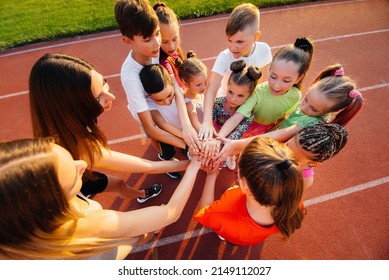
[(174, 175), (151, 192)]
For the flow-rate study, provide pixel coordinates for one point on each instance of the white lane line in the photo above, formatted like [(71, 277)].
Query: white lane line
[(310, 202), (347, 191), (82, 39), (125, 139), (214, 57)]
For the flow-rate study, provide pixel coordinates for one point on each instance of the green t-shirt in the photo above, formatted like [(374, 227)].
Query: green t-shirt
[(268, 108), (300, 119)]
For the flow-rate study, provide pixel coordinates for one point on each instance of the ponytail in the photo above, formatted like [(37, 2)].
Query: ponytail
[(342, 89), (301, 53)]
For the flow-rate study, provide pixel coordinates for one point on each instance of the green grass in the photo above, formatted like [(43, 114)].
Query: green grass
[(31, 21)]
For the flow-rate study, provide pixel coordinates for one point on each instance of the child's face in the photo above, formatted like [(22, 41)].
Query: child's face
[(236, 95), (315, 103), (242, 43), (170, 35), (100, 90), (198, 84), (164, 97), (303, 156), (146, 47), (283, 75)]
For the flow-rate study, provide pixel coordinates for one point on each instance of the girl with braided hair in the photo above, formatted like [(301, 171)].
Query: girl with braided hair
[(266, 200), (315, 144), (311, 146)]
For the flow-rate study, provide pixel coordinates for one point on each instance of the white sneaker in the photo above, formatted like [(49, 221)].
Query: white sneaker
[(231, 162)]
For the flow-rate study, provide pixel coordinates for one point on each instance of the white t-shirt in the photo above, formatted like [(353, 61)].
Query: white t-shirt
[(136, 95), (261, 56), (169, 112)]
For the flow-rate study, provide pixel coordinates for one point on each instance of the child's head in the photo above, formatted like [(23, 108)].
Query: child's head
[(317, 143), (241, 83), (289, 66), (192, 72), (274, 179), (242, 29), (135, 18), (157, 83), (170, 29), (333, 92)]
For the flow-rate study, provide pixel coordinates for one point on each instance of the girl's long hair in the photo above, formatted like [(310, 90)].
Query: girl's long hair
[(274, 178), (63, 105), (36, 219), (341, 89)]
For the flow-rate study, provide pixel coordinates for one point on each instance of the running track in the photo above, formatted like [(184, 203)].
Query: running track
[(347, 205)]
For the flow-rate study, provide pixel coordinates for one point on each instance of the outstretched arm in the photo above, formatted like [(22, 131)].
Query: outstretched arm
[(207, 130), (117, 161), (230, 124), (233, 147), (189, 133), (163, 124), (208, 195), (159, 134), (115, 224)]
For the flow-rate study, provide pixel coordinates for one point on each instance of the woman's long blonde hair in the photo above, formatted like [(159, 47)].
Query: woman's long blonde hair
[(36, 219)]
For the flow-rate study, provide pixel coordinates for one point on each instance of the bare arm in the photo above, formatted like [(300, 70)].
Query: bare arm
[(115, 224), (163, 124), (230, 124), (284, 134), (207, 130), (208, 195), (194, 118), (233, 147), (159, 134), (189, 133), (117, 161)]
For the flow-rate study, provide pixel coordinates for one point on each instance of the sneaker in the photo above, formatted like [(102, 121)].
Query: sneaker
[(186, 153), (151, 192), (174, 175), (231, 162)]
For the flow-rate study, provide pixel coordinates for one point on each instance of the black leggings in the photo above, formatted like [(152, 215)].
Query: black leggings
[(93, 183)]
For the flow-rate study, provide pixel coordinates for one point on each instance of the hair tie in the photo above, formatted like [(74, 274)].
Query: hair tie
[(354, 94), (339, 72), (284, 165)]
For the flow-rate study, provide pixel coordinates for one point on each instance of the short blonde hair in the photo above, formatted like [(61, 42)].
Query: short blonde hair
[(243, 16)]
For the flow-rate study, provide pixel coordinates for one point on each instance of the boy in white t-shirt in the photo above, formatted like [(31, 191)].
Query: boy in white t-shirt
[(242, 32), (139, 26)]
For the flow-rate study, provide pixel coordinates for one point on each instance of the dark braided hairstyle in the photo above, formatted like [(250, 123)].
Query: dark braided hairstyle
[(323, 140), (242, 75)]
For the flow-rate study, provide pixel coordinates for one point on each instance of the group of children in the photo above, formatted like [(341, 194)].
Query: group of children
[(268, 129), (232, 104)]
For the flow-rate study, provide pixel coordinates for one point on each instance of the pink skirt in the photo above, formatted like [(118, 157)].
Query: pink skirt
[(257, 129)]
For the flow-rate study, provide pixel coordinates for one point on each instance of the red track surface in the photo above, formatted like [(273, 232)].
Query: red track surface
[(347, 205)]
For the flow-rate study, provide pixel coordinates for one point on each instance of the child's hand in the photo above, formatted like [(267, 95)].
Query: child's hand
[(190, 137), (211, 147), (230, 148), (206, 131)]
